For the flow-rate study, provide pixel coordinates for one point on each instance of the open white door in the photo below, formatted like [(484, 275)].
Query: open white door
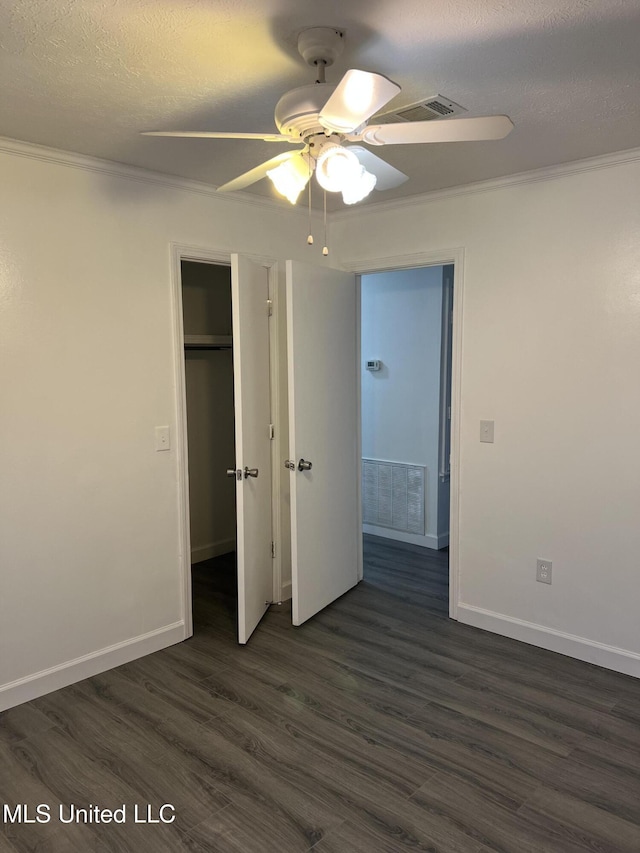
[(323, 430), (250, 294)]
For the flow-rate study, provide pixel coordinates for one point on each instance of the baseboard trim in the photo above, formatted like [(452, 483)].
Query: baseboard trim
[(609, 657), (285, 592), (428, 541), (48, 680), (215, 549)]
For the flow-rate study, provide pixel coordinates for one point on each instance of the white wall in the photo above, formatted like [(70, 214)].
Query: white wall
[(550, 350), (401, 326), (89, 549)]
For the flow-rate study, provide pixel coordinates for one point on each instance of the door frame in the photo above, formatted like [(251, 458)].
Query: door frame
[(182, 252), (438, 257)]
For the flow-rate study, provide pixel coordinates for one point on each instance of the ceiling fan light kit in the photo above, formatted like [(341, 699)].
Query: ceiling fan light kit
[(292, 176), (339, 170), (358, 188), (323, 119), (334, 166)]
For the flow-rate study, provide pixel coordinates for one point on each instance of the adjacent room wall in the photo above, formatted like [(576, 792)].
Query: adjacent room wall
[(401, 326), (550, 351), (89, 547)]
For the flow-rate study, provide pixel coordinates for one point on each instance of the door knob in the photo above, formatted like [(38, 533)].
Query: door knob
[(290, 464), (304, 466), (250, 472), (232, 472)]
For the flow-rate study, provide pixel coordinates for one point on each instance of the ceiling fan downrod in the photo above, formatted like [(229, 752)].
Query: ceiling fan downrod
[(320, 47), (320, 44)]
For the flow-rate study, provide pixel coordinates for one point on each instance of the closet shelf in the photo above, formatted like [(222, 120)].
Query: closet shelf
[(208, 341)]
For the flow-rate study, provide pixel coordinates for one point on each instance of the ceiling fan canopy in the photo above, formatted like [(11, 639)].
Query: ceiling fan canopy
[(329, 121)]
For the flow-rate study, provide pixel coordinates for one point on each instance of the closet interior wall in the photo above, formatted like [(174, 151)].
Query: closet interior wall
[(206, 300)]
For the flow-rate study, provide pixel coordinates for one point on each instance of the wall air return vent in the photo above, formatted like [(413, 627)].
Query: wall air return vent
[(393, 495), (435, 107)]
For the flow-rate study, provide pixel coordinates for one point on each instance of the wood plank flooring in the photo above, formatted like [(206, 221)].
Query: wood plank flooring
[(379, 726)]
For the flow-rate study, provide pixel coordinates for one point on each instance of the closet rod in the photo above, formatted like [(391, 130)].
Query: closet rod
[(208, 346), (208, 342)]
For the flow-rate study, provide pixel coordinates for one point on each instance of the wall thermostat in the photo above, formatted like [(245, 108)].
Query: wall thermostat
[(374, 364)]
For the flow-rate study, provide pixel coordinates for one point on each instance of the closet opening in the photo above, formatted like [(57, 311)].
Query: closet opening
[(210, 415)]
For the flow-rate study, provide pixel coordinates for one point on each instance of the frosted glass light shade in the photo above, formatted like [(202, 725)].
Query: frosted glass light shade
[(358, 187), (335, 167), (290, 177), (339, 170)]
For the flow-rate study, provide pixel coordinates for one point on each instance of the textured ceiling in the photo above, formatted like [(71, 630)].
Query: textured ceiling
[(89, 75)]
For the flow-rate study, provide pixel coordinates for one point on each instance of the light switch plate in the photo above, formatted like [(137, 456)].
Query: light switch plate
[(163, 438), (486, 431)]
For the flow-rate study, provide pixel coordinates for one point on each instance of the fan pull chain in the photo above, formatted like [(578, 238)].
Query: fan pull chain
[(325, 248), (310, 237)]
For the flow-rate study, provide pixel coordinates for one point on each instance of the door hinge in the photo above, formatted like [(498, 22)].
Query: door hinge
[(273, 549), (269, 307), (272, 432)]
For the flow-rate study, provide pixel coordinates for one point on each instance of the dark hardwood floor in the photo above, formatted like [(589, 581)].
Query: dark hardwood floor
[(380, 725)]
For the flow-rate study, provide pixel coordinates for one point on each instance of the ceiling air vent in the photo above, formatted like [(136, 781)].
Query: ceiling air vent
[(435, 107)]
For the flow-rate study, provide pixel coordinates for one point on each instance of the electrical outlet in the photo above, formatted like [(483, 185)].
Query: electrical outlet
[(543, 571)]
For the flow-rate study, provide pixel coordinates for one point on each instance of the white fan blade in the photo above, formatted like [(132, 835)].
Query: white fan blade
[(258, 173), (356, 98), (387, 176), (206, 134), (449, 130)]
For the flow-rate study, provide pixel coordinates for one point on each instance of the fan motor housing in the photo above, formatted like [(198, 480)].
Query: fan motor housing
[(297, 111)]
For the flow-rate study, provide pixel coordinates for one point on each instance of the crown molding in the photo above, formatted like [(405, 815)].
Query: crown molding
[(548, 173), (112, 168), (42, 153)]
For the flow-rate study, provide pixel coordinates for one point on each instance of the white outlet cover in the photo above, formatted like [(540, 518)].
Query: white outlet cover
[(543, 571)]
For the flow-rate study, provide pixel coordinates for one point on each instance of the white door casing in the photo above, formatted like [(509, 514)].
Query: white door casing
[(323, 365), (441, 257), (249, 296)]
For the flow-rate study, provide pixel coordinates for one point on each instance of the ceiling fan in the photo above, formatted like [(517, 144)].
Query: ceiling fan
[(327, 120)]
